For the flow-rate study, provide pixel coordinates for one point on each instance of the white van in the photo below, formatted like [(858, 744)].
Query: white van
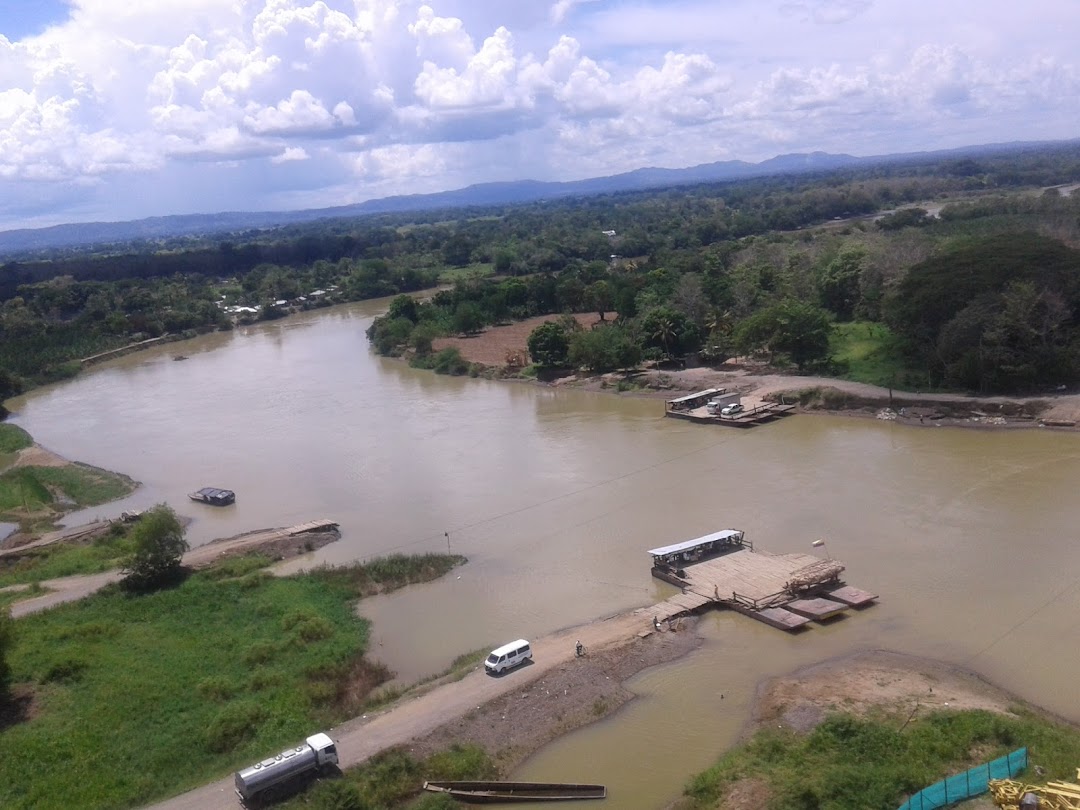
[(508, 656)]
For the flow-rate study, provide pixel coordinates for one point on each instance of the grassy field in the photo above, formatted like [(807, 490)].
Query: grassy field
[(13, 438), (137, 698), (453, 274), (874, 764), (46, 492), (870, 353)]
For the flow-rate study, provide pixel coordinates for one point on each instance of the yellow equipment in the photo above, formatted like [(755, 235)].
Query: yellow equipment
[(1007, 794)]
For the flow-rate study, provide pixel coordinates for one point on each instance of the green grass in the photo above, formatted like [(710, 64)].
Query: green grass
[(65, 559), (394, 780), (390, 572), (478, 270), (869, 352), (137, 698), (13, 439), (141, 697), (8, 598), (27, 490), (874, 764)]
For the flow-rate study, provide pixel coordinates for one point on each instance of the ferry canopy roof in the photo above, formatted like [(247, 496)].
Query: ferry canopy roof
[(708, 392), (686, 545)]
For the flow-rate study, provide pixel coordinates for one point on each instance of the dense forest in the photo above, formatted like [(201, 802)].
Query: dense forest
[(964, 268)]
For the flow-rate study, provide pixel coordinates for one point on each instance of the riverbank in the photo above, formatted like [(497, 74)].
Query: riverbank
[(38, 487), (573, 694), (758, 383)]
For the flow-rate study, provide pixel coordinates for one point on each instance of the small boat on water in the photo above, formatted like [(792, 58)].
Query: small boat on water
[(214, 496), (513, 792)]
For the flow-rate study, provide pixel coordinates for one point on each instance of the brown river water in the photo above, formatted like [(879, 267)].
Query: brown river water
[(555, 496)]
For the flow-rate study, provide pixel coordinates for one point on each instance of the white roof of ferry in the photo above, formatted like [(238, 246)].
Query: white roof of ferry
[(700, 541), (706, 392)]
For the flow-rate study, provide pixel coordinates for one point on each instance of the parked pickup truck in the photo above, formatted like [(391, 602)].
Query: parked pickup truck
[(263, 780)]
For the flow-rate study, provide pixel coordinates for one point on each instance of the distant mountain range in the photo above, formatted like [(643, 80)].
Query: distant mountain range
[(88, 234)]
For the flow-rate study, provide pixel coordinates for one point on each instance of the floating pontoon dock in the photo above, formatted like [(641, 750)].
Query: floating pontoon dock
[(694, 408), (722, 569)]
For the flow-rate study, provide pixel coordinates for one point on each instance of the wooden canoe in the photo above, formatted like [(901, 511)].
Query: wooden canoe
[(513, 792)]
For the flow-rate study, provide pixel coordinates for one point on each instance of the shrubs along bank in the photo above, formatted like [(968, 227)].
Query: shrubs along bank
[(125, 697), (876, 762)]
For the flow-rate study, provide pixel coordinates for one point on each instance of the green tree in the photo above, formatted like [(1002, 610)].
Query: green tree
[(503, 260), (571, 294), (7, 639), (423, 338), (838, 282), (549, 345), (794, 328), (158, 544), (457, 250), (670, 331), (605, 348), (599, 297), (468, 318), (403, 306), (10, 386)]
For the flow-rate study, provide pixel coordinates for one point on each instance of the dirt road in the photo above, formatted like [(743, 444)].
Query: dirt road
[(363, 737)]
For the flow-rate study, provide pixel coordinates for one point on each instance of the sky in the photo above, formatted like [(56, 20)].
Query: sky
[(120, 109)]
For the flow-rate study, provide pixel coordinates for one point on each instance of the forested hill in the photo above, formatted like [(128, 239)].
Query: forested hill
[(25, 242), (89, 234)]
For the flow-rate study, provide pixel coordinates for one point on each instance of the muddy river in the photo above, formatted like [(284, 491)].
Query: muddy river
[(555, 496)]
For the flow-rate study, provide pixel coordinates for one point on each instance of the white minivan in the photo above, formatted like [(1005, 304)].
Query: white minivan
[(508, 656)]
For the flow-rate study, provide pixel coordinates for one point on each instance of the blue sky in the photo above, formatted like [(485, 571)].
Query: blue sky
[(118, 109), (22, 18)]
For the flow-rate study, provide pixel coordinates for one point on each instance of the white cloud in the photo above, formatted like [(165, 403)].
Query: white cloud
[(407, 95), (301, 112), (485, 81), (291, 153)]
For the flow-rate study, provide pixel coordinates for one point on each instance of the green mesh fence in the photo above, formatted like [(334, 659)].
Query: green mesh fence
[(969, 783)]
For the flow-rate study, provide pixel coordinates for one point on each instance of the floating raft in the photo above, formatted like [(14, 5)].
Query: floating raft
[(852, 597)]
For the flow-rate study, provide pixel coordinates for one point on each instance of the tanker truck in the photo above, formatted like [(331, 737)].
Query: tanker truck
[(262, 780)]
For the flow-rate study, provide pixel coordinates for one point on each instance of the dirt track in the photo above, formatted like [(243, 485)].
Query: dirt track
[(70, 589)]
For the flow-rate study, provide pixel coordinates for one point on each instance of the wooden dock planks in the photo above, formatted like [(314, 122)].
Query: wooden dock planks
[(817, 609), (778, 617), (852, 597), (753, 583), (751, 574)]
